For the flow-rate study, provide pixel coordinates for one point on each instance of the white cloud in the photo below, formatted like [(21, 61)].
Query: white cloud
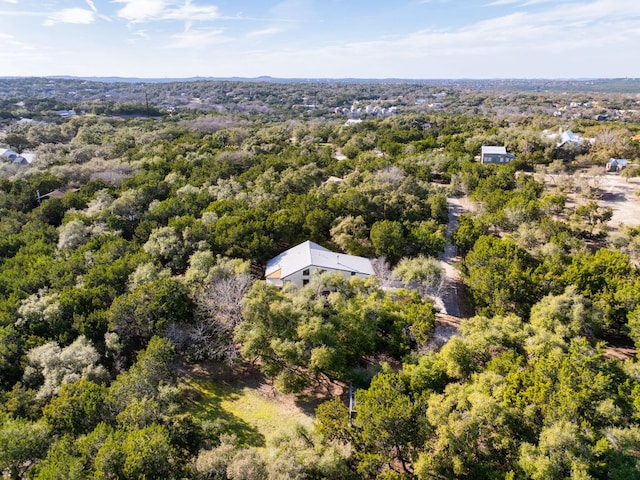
[(197, 39), (67, 15), (192, 12), (560, 40), (140, 11), (265, 32), (499, 3), (538, 2), (80, 16), (283, 17), (292, 11), (559, 28), (138, 36), (19, 13), (15, 46), (525, 3), (93, 7)]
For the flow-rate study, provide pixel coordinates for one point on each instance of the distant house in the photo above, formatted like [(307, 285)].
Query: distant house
[(333, 179), (300, 263), (495, 154), (57, 193), (616, 164), (66, 113), (10, 156), (569, 138)]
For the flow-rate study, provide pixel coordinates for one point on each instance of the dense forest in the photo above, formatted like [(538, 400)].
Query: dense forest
[(132, 254)]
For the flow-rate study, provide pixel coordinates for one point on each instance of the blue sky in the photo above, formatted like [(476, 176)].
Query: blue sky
[(321, 38)]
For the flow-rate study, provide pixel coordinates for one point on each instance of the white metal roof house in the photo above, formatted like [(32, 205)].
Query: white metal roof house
[(568, 137), (298, 265), (495, 154)]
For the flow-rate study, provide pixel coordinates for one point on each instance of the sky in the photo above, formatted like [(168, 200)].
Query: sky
[(411, 39)]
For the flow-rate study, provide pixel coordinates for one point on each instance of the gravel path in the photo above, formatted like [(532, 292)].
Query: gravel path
[(452, 300), (449, 292)]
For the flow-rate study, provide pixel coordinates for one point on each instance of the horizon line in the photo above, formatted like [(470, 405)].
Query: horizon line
[(270, 77)]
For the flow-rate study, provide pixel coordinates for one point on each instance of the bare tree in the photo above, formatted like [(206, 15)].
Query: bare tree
[(218, 312), (383, 272)]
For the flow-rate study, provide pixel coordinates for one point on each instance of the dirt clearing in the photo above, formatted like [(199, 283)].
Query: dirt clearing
[(619, 194)]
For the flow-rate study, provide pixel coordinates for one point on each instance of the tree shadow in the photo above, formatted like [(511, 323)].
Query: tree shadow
[(309, 399), (204, 398), (613, 197), (210, 385)]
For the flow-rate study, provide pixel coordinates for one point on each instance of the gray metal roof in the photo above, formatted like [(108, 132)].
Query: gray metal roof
[(489, 149), (309, 254)]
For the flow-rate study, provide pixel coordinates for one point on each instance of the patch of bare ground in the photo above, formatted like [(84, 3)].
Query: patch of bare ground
[(248, 375), (619, 347), (446, 327), (620, 353), (614, 191), (619, 194), (609, 190), (448, 320)]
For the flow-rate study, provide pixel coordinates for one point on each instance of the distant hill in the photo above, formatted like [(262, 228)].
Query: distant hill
[(536, 84), (172, 79)]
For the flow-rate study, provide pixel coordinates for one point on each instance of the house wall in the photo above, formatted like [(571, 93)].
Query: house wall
[(616, 165), (496, 158), (298, 278)]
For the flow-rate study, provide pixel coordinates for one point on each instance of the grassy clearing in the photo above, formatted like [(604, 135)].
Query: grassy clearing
[(255, 419)]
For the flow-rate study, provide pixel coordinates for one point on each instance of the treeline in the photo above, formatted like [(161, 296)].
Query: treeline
[(146, 263), (149, 262), (505, 399), (510, 99), (526, 390)]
